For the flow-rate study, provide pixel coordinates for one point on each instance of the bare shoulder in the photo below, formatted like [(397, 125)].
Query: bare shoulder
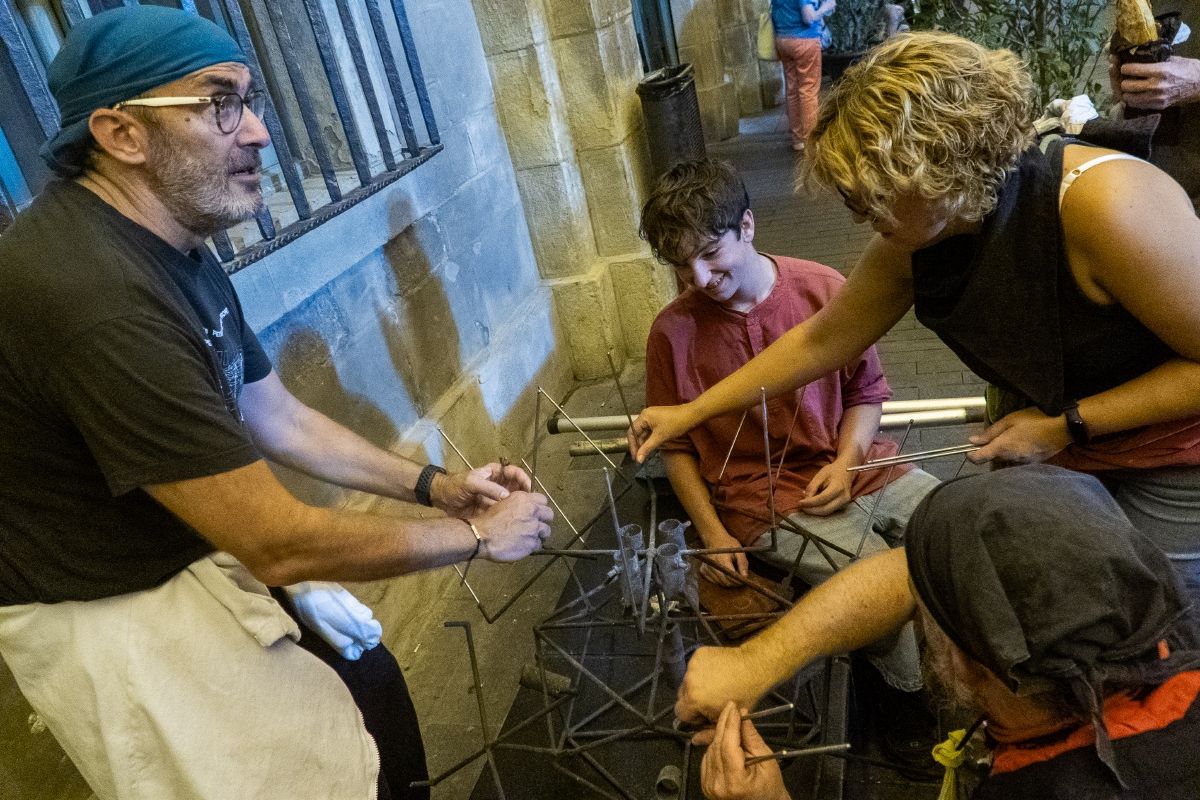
[(1133, 238), (1111, 191)]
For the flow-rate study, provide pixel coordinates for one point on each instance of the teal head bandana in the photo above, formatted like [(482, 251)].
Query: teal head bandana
[(120, 54)]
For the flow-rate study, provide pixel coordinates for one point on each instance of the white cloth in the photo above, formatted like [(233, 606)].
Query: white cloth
[(336, 616), (1068, 116), (193, 690)]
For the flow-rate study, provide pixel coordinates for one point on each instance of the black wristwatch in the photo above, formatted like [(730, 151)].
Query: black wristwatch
[(425, 483), (1076, 427)]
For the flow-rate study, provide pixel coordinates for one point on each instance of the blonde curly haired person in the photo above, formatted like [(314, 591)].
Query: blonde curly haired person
[(1065, 275), (930, 114)]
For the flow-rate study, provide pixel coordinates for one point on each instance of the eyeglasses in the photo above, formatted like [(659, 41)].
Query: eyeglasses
[(226, 106), (855, 209)]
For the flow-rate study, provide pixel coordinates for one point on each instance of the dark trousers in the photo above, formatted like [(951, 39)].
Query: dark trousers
[(377, 685)]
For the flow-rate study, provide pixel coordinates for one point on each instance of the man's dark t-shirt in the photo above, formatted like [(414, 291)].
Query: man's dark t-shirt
[(121, 360)]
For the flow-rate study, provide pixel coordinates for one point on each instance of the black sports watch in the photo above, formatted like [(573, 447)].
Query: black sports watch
[(1076, 427), (425, 483)]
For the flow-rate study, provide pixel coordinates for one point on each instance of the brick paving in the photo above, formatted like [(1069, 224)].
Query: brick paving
[(819, 227)]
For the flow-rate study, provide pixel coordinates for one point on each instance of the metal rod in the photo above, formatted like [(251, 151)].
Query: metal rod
[(462, 574), (224, 247), (537, 482), (608, 776), (932, 404), (729, 452), (612, 365), (910, 458), (603, 455), (590, 555), (767, 453), (337, 87), (891, 408), (414, 69), (542, 570), (281, 136), (617, 444), (680, 725), (537, 415), (454, 447), (784, 522), (584, 782), (934, 418), (770, 712), (749, 585), (304, 100), (787, 441), (785, 586), (568, 626), (23, 57), (393, 75), (931, 419), (612, 504), (607, 706), (627, 575), (621, 701), (782, 755), (649, 560), (365, 82), (960, 467), (484, 732)]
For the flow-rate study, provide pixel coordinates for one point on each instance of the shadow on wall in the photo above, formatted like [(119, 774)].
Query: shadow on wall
[(305, 364), (420, 332)]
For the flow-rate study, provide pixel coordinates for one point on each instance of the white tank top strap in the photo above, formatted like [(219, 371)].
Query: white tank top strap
[(1070, 177)]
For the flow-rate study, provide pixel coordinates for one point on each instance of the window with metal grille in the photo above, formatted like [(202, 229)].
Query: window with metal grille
[(343, 79)]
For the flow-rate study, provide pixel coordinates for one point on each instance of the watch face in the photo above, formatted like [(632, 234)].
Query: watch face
[(1076, 427)]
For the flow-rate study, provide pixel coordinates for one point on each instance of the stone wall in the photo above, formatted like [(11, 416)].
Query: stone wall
[(564, 74), (718, 38)]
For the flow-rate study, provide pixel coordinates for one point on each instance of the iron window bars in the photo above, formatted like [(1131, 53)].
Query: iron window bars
[(337, 136)]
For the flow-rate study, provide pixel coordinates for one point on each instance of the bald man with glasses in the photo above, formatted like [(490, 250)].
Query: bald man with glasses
[(143, 537)]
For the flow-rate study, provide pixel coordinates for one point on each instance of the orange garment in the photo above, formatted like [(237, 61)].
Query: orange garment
[(802, 76), (1125, 716)]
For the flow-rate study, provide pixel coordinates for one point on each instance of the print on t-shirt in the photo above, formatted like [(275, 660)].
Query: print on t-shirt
[(229, 359)]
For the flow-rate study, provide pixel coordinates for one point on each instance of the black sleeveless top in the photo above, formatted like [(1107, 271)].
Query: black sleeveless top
[(1005, 302)]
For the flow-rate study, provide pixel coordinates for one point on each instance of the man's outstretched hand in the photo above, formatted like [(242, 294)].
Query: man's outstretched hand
[(515, 526), (469, 493)]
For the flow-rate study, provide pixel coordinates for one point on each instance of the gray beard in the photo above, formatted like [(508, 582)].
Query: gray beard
[(202, 199), (948, 690)]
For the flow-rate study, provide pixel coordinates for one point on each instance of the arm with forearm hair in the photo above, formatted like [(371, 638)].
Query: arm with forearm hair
[(290, 433), (859, 605)]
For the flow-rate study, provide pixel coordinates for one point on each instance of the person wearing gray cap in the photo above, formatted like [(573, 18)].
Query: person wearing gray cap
[(1045, 614), (140, 526)]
